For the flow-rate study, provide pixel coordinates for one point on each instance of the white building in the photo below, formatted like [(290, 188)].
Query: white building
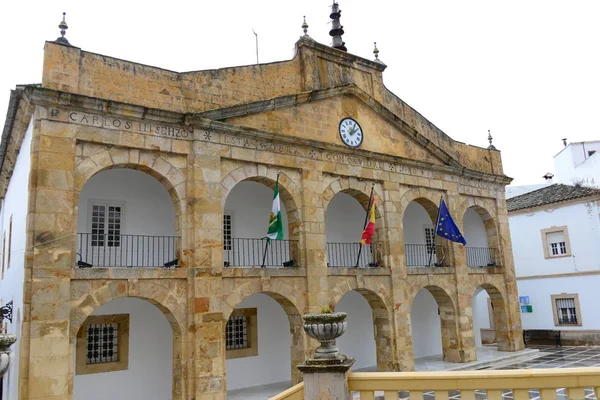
[(555, 233), (578, 162)]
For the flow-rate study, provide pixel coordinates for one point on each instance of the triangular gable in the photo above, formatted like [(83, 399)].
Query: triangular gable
[(316, 116)]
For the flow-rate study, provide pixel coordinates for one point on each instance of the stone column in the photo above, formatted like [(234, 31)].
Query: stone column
[(326, 372)]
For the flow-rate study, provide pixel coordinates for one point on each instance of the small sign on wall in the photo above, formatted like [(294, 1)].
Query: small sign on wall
[(525, 306)]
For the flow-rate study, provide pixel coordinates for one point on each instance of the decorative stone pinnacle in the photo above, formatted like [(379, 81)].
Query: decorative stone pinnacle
[(305, 27), (375, 50), (337, 30), (63, 30), (490, 138)]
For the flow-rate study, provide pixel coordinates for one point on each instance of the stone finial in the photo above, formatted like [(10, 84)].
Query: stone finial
[(490, 138), (305, 27), (337, 30), (375, 51), (63, 30)]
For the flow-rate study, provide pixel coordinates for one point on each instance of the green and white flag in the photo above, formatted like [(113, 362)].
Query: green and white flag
[(275, 222)]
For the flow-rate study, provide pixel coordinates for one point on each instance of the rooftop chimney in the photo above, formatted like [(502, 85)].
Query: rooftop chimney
[(565, 142)]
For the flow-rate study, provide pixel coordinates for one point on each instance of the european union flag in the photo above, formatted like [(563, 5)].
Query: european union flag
[(446, 227)]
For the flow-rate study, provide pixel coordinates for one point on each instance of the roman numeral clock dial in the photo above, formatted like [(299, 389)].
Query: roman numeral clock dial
[(351, 133)]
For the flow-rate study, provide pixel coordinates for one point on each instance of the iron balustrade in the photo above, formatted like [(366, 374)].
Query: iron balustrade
[(105, 250), (481, 257), (424, 255), (249, 253), (567, 320), (347, 255)]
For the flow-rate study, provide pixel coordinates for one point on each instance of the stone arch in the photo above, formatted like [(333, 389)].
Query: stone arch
[(360, 190), (169, 171), (499, 306), (289, 192), (292, 302), (488, 217), (449, 320), (378, 298), (426, 198), (87, 296)]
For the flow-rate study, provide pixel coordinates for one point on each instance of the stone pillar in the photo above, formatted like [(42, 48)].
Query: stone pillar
[(326, 372)]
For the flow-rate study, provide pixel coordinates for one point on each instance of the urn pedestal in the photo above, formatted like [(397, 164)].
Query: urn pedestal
[(325, 374)]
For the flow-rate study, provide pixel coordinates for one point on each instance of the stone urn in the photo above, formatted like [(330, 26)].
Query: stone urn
[(6, 356), (325, 328)]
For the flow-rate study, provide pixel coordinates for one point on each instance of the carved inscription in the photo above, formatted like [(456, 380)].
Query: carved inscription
[(101, 121)]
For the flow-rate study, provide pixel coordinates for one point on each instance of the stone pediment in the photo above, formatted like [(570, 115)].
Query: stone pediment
[(315, 117)]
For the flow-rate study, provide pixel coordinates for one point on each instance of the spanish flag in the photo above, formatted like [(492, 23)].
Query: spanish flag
[(370, 228)]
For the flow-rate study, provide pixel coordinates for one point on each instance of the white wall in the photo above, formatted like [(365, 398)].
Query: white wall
[(147, 209), (414, 222), (426, 326), (344, 219), (512, 191), (273, 363), (150, 371), (250, 204), (584, 234), (11, 287), (574, 164), (481, 315), (359, 341), (474, 229), (540, 290)]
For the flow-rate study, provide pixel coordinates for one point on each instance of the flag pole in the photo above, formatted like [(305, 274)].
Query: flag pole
[(366, 221), (268, 240), (437, 221)]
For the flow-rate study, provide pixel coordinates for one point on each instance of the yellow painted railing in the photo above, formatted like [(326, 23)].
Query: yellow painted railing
[(571, 382), (293, 393)]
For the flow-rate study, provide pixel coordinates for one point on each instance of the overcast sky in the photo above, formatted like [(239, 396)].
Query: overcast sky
[(528, 70)]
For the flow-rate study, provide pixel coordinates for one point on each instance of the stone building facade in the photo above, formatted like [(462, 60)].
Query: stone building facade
[(199, 134)]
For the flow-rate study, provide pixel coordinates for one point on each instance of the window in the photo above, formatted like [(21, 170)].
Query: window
[(591, 152), (236, 333), (103, 344), (566, 309), (241, 333), (227, 232), (106, 224), (430, 239), (556, 242)]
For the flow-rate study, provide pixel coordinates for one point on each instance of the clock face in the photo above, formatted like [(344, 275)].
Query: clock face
[(350, 132)]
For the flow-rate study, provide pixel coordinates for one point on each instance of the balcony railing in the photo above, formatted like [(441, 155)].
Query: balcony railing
[(351, 255), (481, 257), (96, 250), (567, 320), (423, 255), (249, 253)]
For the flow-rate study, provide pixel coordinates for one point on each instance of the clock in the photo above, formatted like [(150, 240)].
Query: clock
[(351, 133)]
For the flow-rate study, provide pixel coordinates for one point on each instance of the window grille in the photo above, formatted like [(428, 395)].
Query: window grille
[(236, 333), (102, 343), (557, 243), (106, 225), (227, 225), (430, 240), (567, 311)]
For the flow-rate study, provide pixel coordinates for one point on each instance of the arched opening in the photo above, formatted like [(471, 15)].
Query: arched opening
[(124, 349), (359, 340), (479, 232), (126, 218), (433, 326), (262, 338), (246, 221), (369, 335), (490, 324), (421, 246), (344, 223)]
